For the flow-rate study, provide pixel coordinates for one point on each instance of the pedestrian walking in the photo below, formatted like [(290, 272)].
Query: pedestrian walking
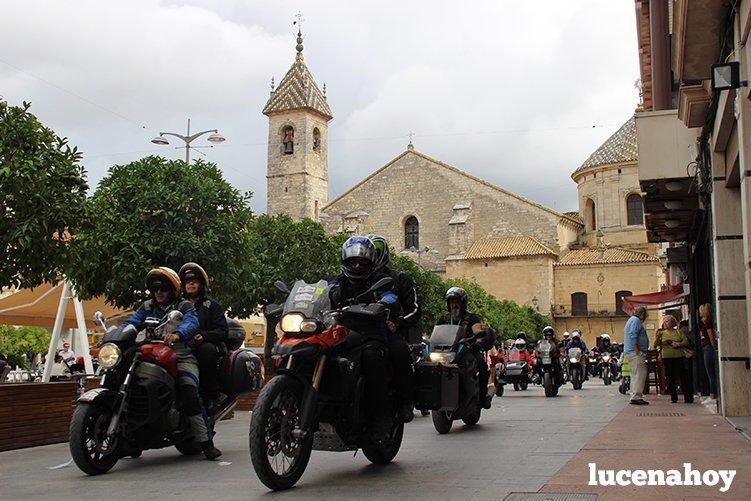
[(672, 342), (709, 346), (635, 346)]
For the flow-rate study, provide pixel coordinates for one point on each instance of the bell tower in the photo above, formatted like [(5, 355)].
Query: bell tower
[(297, 171)]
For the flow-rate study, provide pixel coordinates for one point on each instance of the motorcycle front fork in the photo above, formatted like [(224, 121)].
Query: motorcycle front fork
[(308, 405), (120, 404)]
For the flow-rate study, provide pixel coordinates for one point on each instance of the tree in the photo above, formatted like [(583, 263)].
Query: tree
[(158, 212), (43, 189), (20, 344)]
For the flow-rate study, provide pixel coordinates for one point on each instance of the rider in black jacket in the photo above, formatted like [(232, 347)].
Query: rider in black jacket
[(399, 326), (208, 343)]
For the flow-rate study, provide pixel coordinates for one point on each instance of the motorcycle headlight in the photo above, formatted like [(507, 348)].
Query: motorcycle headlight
[(606, 358), (292, 322), (109, 355), (573, 360), (445, 358)]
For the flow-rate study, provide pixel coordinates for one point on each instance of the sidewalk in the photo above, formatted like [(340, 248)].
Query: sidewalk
[(640, 438)]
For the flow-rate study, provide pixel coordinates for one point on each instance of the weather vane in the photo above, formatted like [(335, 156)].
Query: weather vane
[(299, 21), (411, 135)]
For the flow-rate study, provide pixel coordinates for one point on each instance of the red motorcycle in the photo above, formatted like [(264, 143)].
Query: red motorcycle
[(135, 407)]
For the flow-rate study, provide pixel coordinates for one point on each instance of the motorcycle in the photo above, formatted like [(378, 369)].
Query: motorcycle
[(625, 385), (605, 363), (593, 366), (419, 353), (575, 367), (548, 367), (518, 372), (448, 385), (315, 399), (499, 381), (135, 408)]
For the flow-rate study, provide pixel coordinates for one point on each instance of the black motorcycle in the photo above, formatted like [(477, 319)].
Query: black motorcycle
[(576, 367), (549, 369), (419, 353), (448, 385), (315, 399), (606, 363), (135, 407)]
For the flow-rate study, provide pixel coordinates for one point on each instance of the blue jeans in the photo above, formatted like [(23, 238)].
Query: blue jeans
[(709, 366)]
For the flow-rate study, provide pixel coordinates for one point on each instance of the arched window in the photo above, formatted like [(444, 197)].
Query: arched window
[(591, 215), (288, 140), (411, 233), (316, 139), (579, 304), (619, 302), (634, 209)]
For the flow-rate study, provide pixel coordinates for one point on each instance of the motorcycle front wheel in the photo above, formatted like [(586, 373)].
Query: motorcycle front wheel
[(547, 382), (576, 379), (499, 390), (523, 386), (387, 452), (606, 378), (278, 457), (88, 431), (441, 422)]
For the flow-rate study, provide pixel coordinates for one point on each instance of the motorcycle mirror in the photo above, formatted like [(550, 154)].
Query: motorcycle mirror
[(98, 317), (174, 316), (380, 284), (281, 287)]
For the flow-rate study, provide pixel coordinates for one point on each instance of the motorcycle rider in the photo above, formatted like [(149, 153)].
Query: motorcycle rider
[(604, 345), (208, 342), (456, 302), (164, 284), (358, 263), (548, 334), (577, 342), (520, 353), (399, 326)]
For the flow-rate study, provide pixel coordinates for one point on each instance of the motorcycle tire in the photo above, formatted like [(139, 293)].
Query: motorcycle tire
[(523, 386), (387, 452), (87, 427), (473, 418), (606, 379), (188, 447), (547, 382), (576, 379), (281, 390), (622, 387), (499, 390), (441, 422), (516, 387), (425, 413)]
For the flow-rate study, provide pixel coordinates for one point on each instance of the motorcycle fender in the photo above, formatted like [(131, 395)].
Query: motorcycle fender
[(98, 395)]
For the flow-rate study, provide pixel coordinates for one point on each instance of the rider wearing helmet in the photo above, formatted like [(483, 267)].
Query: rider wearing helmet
[(208, 342), (358, 264), (399, 326), (577, 342), (164, 285), (456, 302), (548, 334)]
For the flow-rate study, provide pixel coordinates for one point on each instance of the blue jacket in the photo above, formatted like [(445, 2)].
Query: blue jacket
[(151, 309), (582, 345), (635, 334)]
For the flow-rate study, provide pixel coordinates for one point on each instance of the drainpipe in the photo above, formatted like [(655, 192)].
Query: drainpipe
[(660, 54)]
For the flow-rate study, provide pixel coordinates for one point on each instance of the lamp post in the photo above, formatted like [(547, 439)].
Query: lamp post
[(188, 138)]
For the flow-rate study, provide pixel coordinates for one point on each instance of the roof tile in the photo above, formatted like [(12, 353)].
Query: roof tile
[(507, 247), (298, 90), (617, 255), (620, 147)]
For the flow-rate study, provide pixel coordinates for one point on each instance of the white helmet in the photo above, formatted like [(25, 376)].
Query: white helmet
[(520, 344), (575, 334), (566, 335), (605, 336)]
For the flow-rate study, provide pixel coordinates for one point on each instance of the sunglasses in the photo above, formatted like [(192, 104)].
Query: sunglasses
[(192, 281), (160, 288)]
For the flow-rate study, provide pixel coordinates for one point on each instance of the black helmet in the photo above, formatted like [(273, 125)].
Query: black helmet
[(521, 335), (382, 251), (194, 270), (358, 249), (457, 293)]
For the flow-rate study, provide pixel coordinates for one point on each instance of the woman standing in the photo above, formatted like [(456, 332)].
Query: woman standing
[(672, 342), (708, 346)]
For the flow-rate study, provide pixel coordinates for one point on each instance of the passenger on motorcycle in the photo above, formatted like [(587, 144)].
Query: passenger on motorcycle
[(358, 264), (208, 342), (399, 326), (519, 353), (164, 284), (456, 302)]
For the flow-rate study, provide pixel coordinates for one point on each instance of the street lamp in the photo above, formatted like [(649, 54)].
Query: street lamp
[(188, 138)]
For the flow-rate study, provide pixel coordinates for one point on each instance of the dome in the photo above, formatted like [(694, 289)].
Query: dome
[(620, 147)]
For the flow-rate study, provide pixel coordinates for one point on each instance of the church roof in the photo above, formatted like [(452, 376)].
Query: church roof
[(298, 90), (575, 215), (458, 171), (615, 255), (494, 248), (619, 148)]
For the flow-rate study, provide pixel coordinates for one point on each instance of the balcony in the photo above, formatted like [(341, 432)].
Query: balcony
[(591, 310), (666, 149)]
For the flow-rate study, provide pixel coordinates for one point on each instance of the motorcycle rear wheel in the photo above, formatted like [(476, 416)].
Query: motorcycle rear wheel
[(387, 452), (499, 390), (473, 418), (441, 422), (523, 386), (547, 379), (88, 427), (276, 414)]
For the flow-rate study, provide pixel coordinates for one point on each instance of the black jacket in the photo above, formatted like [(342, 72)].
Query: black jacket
[(404, 288), (213, 323)]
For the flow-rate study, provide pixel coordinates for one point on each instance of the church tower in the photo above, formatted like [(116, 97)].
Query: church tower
[(297, 172)]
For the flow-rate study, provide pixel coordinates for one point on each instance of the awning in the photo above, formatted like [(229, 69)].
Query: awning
[(38, 307), (669, 298)]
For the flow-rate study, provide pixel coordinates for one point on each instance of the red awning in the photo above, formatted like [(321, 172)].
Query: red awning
[(674, 296)]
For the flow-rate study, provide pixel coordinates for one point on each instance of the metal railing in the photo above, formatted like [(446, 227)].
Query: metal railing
[(591, 310)]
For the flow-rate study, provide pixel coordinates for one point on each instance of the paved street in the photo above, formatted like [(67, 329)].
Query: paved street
[(517, 446)]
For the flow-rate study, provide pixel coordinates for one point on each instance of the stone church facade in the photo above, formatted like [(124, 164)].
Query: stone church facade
[(573, 267)]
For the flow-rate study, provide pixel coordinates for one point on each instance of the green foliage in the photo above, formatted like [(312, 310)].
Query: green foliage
[(43, 192), (19, 345), (158, 212), (430, 290)]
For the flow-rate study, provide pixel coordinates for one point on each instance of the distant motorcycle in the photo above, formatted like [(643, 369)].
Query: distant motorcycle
[(576, 367), (548, 367), (606, 362)]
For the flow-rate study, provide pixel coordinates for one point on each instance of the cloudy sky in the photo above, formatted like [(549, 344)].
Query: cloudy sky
[(517, 93)]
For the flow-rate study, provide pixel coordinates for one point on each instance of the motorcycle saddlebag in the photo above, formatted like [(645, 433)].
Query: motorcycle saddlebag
[(235, 334), (241, 373), (436, 386)]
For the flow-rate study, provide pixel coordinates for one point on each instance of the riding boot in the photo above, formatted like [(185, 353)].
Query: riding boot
[(209, 450)]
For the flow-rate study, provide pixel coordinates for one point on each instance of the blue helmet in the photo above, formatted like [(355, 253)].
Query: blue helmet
[(360, 250)]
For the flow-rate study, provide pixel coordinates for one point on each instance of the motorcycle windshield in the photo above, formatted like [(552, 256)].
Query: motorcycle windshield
[(443, 337), (516, 355), (545, 347), (574, 353), (311, 300)]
